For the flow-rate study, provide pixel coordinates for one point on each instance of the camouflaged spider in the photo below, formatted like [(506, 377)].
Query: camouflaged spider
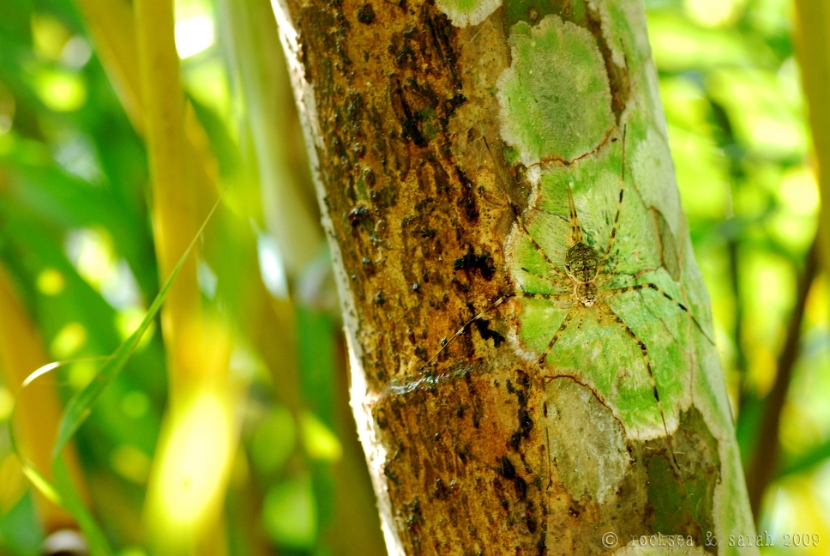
[(581, 283)]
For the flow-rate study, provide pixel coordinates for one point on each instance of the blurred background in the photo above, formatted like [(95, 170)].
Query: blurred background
[(259, 455)]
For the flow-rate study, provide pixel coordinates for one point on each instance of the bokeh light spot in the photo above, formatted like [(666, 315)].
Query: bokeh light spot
[(131, 463), (194, 459), (76, 52), (319, 441), (290, 513), (80, 374), (50, 281), (60, 90), (49, 35), (69, 340), (135, 404), (799, 191), (272, 266), (273, 440), (194, 35), (90, 250), (6, 403), (128, 321), (714, 13)]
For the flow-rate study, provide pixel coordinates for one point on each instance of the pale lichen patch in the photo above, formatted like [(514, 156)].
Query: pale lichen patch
[(468, 12), (587, 449), (555, 97)]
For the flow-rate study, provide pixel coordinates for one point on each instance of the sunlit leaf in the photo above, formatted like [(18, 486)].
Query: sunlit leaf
[(80, 406)]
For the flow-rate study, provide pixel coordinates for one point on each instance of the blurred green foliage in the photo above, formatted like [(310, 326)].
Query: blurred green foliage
[(76, 236), (732, 94)]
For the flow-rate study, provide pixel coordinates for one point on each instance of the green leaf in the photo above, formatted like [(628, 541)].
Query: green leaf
[(81, 404), (71, 500), (62, 492)]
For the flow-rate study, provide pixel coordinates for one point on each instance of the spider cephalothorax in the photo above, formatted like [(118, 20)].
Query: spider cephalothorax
[(586, 293)]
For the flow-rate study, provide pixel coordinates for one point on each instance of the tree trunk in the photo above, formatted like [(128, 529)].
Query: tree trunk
[(510, 163)]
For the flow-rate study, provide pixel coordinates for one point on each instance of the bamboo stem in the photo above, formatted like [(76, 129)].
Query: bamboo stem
[(185, 495), (812, 39), (39, 408)]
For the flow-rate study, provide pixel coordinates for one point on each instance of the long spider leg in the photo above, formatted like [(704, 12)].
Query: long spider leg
[(499, 301), (606, 309), (543, 211), (545, 278), (655, 287), (638, 287), (548, 296), (617, 217), (461, 330), (520, 221), (576, 232), (599, 279), (547, 448), (574, 310)]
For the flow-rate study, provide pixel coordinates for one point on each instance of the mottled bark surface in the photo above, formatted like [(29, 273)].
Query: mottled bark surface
[(448, 140)]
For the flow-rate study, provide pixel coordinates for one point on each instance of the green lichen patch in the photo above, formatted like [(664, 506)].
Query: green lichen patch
[(555, 98), (682, 497), (467, 12), (534, 11), (731, 512), (600, 345)]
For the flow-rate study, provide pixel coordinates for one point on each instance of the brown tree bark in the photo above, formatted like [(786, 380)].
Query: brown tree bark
[(478, 448)]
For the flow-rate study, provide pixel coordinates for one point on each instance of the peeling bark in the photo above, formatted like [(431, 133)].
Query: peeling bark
[(461, 150)]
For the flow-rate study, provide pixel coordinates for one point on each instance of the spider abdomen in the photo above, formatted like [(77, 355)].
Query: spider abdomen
[(581, 263)]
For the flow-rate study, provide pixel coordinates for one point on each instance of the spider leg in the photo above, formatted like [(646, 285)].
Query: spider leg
[(617, 217), (655, 287), (576, 231), (600, 280), (574, 310), (499, 301), (545, 278), (606, 309), (520, 221), (550, 296), (638, 287), (547, 451), (464, 327)]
